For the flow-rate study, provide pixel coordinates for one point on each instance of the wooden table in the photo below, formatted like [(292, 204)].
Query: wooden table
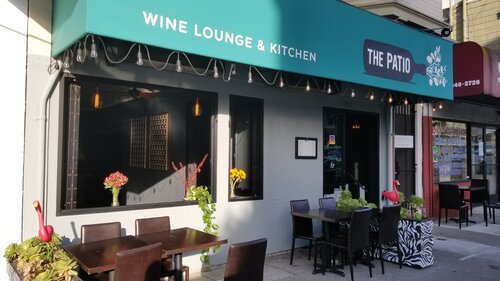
[(100, 256), (326, 215), (181, 240)]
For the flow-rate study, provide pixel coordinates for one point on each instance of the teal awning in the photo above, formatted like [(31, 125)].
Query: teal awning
[(324, 38)]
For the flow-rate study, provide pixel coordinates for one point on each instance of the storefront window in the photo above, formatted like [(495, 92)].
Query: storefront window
[(156, 136), (449, 151), (246, 145)]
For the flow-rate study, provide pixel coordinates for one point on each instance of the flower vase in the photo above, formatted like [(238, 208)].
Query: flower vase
[(232, 193), (115, 202)]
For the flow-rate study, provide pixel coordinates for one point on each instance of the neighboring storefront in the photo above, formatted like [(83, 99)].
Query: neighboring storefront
[(465, 132), (175, 94)]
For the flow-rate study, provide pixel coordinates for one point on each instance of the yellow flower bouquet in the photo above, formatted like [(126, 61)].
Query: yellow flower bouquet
[(236, 176)]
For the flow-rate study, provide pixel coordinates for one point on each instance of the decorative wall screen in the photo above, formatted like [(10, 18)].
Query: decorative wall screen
[(149, 142)]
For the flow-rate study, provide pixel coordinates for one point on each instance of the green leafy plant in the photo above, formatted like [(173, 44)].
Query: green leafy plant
[(202, 196), (36, 260), (346, 201), (414, 209)]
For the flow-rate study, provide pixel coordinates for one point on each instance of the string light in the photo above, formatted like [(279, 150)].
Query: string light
[(79, 53), (233, 69), (282, 82), (216, 70), (405, 101), (178, 65), (93, 49), (96, 99), (250, 77), (433, 108), (66, 62), (440, 106), (139, 57)]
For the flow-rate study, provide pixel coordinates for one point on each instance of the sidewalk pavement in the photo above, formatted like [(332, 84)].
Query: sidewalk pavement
[(470, 254)]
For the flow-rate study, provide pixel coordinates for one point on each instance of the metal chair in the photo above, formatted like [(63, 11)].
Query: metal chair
[(245, 261), (138, 264), (96, 232), (357, 240), (303, 228), (449, 198), (479, 193), (158, 224), (387, 233)]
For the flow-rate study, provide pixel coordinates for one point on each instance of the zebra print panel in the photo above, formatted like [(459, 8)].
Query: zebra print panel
[(416, 242)]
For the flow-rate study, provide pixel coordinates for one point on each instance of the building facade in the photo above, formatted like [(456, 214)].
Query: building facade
[(159, 93)]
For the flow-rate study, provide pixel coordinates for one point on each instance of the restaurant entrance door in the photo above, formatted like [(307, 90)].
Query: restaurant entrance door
[(350, 153)]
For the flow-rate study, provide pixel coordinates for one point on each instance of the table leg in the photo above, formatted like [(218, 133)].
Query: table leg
[(178, 267), (111, 275)]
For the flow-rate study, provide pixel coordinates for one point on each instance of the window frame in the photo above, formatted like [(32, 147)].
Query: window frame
[(66, 81), (258, 192)]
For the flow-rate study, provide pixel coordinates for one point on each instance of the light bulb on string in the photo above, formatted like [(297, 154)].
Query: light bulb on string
[(329, 89), (178, 65), (216, 70), (66, 62), (371, 96), (405, 101), (139, 57), (79, 53), (440, 106), (282, 83), (353, 94), (389, 100), (233, 69), (308, 86), (250, 76), (93, 49), (433, 108)]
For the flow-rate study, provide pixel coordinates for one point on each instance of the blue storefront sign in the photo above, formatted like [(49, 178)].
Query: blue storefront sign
[(324, 38)]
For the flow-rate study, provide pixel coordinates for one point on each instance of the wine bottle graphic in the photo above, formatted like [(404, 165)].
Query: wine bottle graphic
[(388, 61)]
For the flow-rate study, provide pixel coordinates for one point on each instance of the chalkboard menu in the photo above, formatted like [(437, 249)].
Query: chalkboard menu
[(449, 151)]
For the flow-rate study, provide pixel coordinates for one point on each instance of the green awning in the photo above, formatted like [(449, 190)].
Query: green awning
[(324, 38)]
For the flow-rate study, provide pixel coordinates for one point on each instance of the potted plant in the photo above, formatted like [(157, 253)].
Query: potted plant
[(41, 258), (415, 234)]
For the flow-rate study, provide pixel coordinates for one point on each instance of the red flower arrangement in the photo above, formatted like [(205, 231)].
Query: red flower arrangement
[(115, 180)]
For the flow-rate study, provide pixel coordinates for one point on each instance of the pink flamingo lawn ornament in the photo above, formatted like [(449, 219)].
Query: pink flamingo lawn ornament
[(393, 195), (44, 231)]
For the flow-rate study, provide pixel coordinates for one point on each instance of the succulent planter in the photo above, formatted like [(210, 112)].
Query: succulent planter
[(416, 242), (14, 275)]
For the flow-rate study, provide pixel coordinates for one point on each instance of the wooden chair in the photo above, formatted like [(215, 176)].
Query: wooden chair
[(138, 264), (245, 261), (357, 240), (303, 228), (387, 233), (158, 224), (97, 232), (449, 198)]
